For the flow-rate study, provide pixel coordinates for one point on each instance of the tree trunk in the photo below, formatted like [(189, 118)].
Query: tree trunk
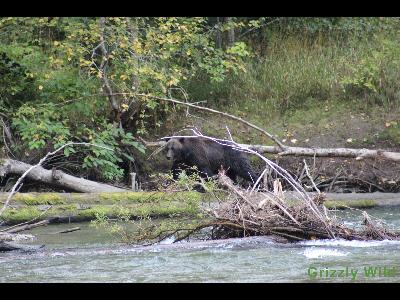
[(128, 117), (132, 29), (27, 226), (219, 36), (358, 154), (103, 68), (55, 177), (231, 33)]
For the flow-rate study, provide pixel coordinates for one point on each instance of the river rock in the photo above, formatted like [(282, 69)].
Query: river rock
[(15, 237), (11, 246)]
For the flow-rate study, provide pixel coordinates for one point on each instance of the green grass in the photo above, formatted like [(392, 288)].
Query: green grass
[(148, 197), (343, 204), (38, 199), (15, 216), (302, 86)]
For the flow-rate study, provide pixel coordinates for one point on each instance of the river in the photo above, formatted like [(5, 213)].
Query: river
[(92, 255)]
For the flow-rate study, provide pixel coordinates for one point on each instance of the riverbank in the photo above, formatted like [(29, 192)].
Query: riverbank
[(78, 207)]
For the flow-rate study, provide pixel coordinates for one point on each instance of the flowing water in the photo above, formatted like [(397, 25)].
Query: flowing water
[(91, 255)]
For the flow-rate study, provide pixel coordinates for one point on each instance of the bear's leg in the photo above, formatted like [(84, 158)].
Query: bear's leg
[(206, 172), (176, 170), (232, 175), (247, 173), (199, 188)]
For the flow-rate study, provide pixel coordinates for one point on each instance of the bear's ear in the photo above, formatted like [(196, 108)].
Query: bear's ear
[(182, 140)]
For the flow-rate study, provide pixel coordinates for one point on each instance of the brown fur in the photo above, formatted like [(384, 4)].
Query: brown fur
[(208, 156)]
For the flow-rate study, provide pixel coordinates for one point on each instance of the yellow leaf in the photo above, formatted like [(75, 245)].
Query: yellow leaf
[(124, 107)]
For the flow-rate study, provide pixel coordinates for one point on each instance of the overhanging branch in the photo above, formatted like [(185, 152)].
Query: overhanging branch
[(282, 147)]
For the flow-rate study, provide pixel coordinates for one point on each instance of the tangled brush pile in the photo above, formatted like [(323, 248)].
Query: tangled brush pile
[(250, 213)]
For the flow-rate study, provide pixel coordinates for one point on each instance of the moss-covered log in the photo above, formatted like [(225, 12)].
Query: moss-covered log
[(75, 207)]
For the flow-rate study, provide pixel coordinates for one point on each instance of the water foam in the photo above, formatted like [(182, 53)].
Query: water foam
[(346, 243), (168, 241), (316, 252)]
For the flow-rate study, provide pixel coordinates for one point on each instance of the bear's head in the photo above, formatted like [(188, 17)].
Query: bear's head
[(175, 148)]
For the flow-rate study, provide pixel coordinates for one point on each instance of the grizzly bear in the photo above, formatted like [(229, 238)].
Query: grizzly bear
[(208, 156)]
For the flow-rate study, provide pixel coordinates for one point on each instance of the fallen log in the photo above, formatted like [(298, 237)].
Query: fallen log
[(69, 230), (55, 177), (27, 226), (358, 154)]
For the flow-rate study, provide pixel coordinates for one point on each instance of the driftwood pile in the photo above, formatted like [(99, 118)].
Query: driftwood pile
[(269, 213)]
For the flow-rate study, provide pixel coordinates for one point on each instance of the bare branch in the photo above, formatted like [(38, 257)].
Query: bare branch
[(310, 177), (282, 147)]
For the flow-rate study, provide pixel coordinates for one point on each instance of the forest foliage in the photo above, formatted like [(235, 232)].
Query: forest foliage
[(87, 79)]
